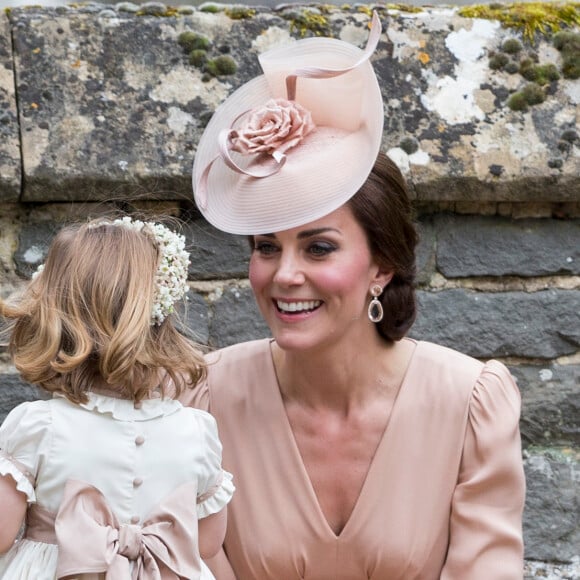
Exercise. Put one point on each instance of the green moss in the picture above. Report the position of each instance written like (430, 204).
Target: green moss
(365, 10)
(310, 22)
(530, 18)
(568, 43)
(569, 135)
(533, 94)
(409, 145)
(211, 8)
(404, 8)
(498, 61)
(542, 74)
(190, 41)
(511, 46)
(239, 12)
(517, 102)
(197, 57)
(512, 67)
(221, 66)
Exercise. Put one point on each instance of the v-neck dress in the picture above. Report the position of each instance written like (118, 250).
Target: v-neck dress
(442, 499)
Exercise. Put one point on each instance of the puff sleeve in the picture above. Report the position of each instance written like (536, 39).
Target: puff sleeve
(486, 513)
(215, 487)
(23, 442)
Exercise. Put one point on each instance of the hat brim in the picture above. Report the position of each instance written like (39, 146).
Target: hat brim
(324, 170)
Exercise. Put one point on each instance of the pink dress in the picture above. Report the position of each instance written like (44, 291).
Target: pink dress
(443, 497)
(144, 459)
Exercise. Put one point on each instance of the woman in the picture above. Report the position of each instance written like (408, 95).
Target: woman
(358, 452)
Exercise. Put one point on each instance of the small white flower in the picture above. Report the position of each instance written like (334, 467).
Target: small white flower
(171, 275)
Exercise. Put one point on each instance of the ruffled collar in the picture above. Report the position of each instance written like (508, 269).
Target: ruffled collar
(125, 410)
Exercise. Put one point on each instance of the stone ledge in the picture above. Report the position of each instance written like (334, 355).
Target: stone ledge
(110, 108)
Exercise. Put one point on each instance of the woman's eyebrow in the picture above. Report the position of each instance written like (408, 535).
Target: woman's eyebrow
(316, 232)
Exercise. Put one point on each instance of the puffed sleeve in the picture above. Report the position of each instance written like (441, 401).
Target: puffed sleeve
(215, 487)
(486, 514)
(23, 440)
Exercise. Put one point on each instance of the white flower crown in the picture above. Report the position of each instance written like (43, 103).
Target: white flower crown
(171, 275)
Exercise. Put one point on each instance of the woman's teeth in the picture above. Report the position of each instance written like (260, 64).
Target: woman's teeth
(298, 306)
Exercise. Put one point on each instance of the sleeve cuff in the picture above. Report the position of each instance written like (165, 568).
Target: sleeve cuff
(22, 479)
(216, 497)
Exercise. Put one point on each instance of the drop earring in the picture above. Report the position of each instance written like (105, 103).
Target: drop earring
(375, 311)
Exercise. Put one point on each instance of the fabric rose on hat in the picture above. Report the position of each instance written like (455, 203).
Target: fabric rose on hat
(274, 128)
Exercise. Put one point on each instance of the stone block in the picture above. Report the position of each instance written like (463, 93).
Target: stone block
(426, 254)
(550, 404)
(193, 317)
(33, 243)
(14, 391)
(236, 318)
(111, 108)
(544, 324)
(10, 161)
(552, 512)
(480, 246)
(215, 254)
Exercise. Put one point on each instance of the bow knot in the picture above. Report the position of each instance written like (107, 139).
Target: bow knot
(91, 540)
(130, 541)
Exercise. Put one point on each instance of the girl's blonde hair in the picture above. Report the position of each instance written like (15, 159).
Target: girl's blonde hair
(86, 319)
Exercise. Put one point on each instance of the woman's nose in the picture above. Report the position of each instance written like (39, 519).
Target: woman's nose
(289, 270)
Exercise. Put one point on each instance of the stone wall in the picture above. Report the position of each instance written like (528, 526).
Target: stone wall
(101, 108)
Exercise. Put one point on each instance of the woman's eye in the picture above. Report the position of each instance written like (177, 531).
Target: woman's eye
(319, 249)
(264, 247)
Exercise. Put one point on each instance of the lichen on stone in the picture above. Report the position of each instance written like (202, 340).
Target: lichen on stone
(310, 21)
(530, 18)
(239, 12)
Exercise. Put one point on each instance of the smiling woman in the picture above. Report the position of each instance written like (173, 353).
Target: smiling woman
(358, 452)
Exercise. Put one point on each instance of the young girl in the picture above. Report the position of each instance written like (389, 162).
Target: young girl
(111, 476)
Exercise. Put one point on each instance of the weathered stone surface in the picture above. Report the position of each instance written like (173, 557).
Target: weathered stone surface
(236, 318)
(193, 317)
(550, 404)
(13, 392)
(10, 164)
(214, 254)
(426, 249)
(543, 324)
(33, 244)
(478, 246)
(552, 513)
(111, 108)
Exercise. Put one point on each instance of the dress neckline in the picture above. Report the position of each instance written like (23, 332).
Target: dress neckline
(297, 457)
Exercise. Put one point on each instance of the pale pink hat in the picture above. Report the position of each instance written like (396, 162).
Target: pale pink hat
(295, 143)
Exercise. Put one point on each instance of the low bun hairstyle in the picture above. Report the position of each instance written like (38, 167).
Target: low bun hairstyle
(383, 209)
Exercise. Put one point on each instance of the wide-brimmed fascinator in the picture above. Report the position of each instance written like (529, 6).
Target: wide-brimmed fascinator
(295, 143)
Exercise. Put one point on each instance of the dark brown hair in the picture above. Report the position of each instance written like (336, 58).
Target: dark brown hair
(383, 209)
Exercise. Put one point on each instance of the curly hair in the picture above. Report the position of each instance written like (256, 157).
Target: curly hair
(86, 319)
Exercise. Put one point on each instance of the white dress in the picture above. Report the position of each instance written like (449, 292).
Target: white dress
(136, 455)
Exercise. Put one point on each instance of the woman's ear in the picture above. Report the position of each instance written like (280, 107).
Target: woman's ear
(383, 277)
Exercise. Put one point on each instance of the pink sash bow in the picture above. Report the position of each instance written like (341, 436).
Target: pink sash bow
(91, 540)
